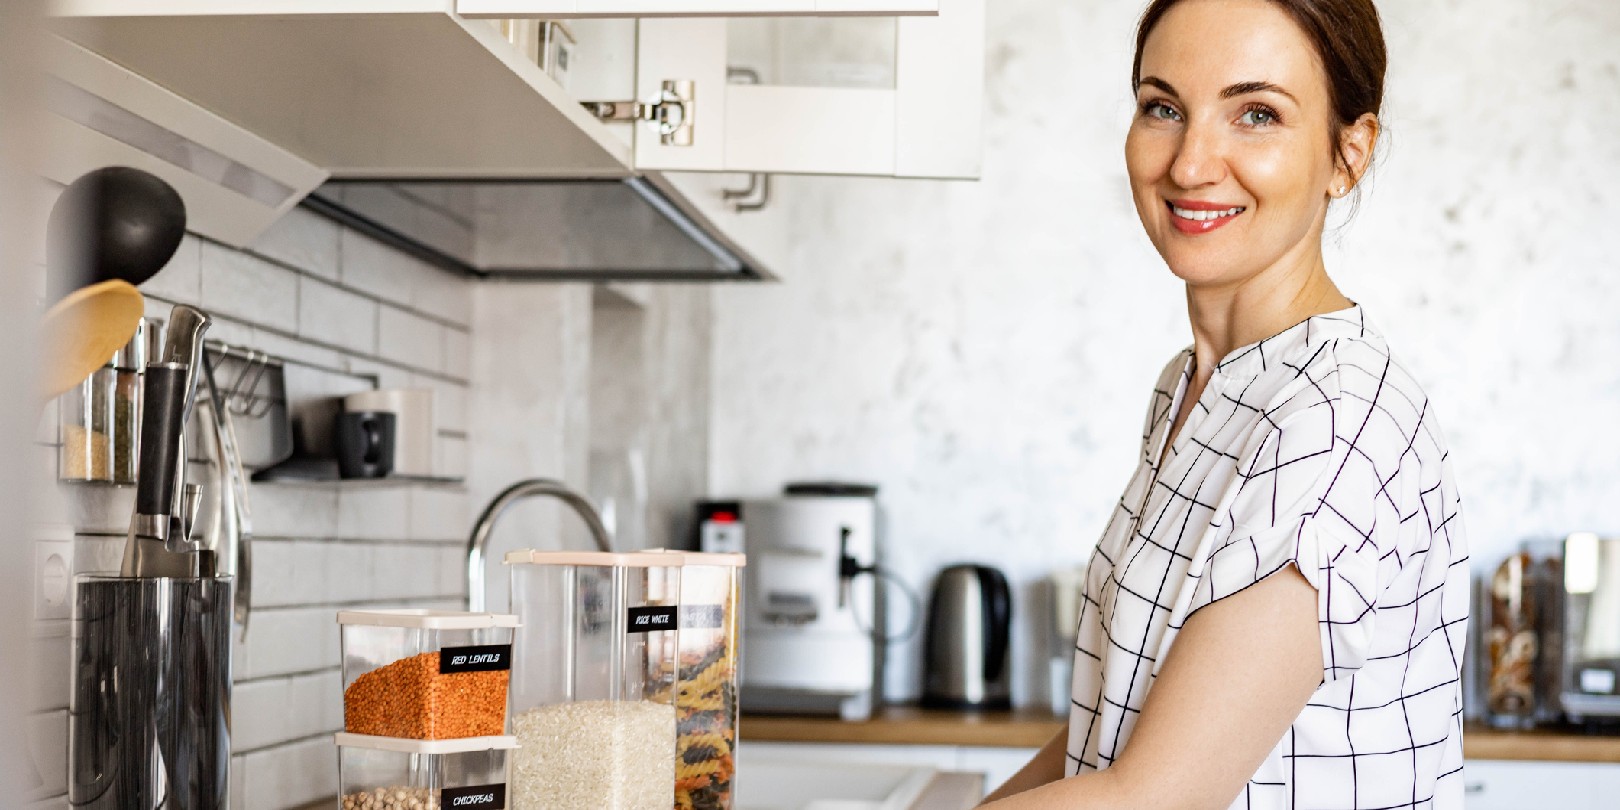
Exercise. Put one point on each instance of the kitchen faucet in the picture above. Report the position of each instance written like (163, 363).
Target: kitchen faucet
(512, 494)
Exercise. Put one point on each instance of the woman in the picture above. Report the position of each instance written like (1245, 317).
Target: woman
(1275, 614)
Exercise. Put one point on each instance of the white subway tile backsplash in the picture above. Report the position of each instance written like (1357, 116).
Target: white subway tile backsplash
(180, 279)
(289, 775)
(400, 279)
(290, 573)
(247, 287)
(98, 508)
(50, 664)
(288, 641)
(47, 741)
(331, 315)
(303, 239)
(259, 714)
(352, 566)
(294, 510)
(381, 513)
(439, 514)
(409, 339)
(407, 572)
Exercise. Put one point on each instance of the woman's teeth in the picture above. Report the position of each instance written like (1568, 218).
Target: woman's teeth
(1204, 216)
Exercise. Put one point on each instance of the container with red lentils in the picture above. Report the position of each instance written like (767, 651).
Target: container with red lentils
(426, 675)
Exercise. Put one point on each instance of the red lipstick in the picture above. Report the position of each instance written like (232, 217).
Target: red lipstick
(1200, 226)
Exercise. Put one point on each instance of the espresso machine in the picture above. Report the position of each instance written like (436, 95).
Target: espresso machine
(149, 718)
(811, 611)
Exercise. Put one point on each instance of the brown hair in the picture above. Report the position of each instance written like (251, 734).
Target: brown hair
(1348, 39)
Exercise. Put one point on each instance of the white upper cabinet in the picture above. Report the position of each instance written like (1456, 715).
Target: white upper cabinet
(881, 96)
(422, 89)
(687, 8)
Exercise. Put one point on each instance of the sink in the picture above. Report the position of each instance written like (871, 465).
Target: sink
(769, 783)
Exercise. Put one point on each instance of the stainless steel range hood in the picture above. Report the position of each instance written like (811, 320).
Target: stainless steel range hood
(618, 229)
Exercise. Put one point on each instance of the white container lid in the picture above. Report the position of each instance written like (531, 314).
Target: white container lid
(406, 745)
(426, 619)
(651, 558)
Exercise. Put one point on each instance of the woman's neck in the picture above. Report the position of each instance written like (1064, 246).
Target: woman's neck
(1226, 317)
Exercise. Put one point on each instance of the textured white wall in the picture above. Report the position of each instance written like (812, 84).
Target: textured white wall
(983, 351)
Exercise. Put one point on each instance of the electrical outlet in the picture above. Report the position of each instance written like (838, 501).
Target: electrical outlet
(53, 573)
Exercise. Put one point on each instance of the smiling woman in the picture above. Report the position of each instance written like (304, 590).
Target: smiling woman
(1274, 616)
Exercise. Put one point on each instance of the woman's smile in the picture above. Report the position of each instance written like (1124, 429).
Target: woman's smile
(1195, 218)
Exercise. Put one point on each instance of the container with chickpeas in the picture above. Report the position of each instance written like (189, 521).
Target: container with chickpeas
(424, 709)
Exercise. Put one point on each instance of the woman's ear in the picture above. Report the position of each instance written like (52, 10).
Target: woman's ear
(1356, 144)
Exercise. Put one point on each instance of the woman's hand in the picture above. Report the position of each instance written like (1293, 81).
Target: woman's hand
(1237, 676)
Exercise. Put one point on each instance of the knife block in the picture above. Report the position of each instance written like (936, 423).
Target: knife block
(149, 717)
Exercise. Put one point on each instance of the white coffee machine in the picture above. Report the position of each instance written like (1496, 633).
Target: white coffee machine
(809, 603)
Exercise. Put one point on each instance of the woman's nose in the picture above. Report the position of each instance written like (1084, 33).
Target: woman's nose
(1200, 159)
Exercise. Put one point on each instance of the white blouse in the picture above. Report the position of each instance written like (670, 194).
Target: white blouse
(1314, 448)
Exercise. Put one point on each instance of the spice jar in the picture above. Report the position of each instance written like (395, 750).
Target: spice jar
(427, 675)
(100, 419)
(389, 773)
(625, 688)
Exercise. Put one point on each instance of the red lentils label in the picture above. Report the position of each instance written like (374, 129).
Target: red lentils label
(483, 796)
(486, 658)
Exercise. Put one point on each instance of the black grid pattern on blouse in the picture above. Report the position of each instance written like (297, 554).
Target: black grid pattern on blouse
(1313, 448)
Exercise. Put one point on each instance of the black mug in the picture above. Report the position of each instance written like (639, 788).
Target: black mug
(365, 444)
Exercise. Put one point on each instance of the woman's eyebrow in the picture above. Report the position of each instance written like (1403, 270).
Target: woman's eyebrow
(1155, 81)
(1244, 88)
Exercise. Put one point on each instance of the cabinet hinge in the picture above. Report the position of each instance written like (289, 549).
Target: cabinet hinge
(670, 113)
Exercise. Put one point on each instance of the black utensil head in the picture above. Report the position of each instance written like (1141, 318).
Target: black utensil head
(117, 222)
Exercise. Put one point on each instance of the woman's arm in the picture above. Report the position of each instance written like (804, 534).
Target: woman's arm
(1237, 676)
(1045, 767)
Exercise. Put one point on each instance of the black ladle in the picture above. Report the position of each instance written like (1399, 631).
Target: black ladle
(114, 223)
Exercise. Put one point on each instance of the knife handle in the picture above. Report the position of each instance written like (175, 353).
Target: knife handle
(163, 409)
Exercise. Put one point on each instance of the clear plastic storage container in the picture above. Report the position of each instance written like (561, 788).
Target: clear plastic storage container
(624, 695)
(426, 675)
(392, 773)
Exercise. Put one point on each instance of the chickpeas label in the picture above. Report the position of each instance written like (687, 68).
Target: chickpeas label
(651, 618)
(486, 658)
(483, 796)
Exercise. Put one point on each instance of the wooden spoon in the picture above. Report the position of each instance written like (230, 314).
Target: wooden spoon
(84, 330)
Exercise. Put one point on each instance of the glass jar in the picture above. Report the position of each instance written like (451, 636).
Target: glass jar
(625, 686)
(424, 674)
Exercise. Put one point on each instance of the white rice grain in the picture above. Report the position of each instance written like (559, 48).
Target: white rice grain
(595, 755)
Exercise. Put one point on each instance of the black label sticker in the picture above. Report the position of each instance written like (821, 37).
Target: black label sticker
(485, 797)
(487, 658)
(652, 618)
(701, 617)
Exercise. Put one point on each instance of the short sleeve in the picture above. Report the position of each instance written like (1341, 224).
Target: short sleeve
(1309, 497)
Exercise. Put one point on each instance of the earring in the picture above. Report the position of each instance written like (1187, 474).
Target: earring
(1341, 191)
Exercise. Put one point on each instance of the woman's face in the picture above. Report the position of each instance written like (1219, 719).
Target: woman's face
(1230, 156)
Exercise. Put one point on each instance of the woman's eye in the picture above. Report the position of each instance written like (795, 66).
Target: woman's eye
(1160, 110)
(1258, 117)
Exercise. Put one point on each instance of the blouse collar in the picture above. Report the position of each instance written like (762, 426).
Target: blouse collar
(1255, 358)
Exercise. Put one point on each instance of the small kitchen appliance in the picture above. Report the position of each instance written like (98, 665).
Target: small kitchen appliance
(1589, 671)
(810, 617)
(624, 689)
(969, 629)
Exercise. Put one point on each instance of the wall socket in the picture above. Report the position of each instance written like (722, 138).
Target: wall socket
(53, 573)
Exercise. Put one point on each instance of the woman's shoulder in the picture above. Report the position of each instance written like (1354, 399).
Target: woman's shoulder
(1350, 388)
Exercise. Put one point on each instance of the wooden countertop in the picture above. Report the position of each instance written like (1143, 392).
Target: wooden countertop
(901, 725)
(904, 725)
(1481, 742)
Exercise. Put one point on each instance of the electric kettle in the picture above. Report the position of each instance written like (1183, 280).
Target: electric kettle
(969, 627)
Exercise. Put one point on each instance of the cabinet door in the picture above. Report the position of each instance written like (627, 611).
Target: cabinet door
(880, 96)
(686, 8)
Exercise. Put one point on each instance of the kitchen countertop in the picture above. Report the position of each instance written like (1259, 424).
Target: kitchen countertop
(904, 725)
(1025, 728)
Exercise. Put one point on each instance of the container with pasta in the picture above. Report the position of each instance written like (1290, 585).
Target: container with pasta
(624, 688)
